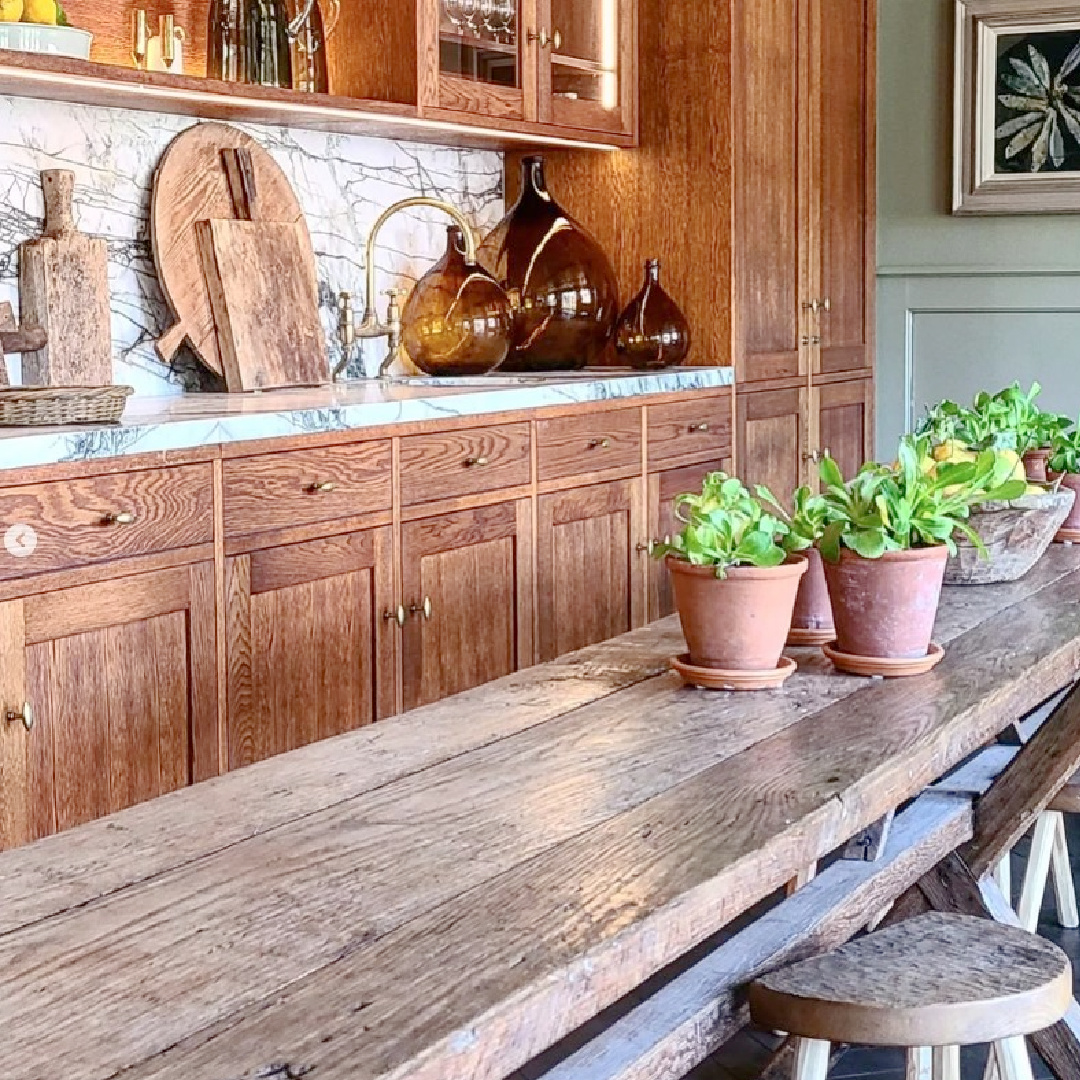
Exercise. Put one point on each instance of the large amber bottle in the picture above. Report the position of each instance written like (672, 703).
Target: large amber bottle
(565, 291)
(652, 331)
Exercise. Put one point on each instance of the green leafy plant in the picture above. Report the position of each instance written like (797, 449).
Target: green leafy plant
(906, 505)
(1008, 420)
(807, 520)
(725, 526)
(1065, 457)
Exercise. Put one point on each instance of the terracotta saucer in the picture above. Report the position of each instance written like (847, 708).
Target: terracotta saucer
(797, 636)
(1067, 536)
(879, 665)
(719, 679)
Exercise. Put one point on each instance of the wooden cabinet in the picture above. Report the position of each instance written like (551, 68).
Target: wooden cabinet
(467, 593)
(310, 639)
(843, 416)
(663, 487)
(773, 433)
(591, 565)
(108, 697)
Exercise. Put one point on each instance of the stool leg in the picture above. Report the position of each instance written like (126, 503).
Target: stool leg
(920, 1063)
(1038, 869)
(1012, 1059)
(1061, 872)
(946, 1063)
(1003, 876)
(812, 1059)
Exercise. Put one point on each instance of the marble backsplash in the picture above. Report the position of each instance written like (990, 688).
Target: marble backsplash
(343, 183)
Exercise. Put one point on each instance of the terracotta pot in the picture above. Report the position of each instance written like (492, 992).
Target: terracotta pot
(739, 622)
(886, 607)
(1072, 482)
(813, 609)
(1035, 464)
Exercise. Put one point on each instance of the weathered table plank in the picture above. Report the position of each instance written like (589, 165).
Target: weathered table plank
(455, 909)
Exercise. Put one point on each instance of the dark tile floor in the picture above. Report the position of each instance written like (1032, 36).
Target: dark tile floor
(745, 1056)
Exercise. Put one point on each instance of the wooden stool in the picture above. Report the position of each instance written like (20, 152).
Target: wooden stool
(931, 985)
(1049, 860)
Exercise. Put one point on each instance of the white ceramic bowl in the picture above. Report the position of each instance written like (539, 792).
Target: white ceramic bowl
(51, 40)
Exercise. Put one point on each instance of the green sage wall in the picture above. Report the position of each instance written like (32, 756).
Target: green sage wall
(963, 303)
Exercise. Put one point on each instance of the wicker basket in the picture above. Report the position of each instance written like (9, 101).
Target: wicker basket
(50, 406)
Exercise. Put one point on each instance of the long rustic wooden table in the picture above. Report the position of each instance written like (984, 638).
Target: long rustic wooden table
(447, 894)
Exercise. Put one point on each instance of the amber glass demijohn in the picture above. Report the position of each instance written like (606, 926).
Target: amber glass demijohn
(457, 320)
(652, 331)
(564, 288)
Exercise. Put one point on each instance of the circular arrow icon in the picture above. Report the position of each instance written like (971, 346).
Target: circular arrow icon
(21, 541)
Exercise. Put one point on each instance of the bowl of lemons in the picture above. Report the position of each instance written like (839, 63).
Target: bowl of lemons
(41, 26)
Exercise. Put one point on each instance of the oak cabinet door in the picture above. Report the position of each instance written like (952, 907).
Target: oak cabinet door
(846, 184)
(772, 439)
(310, 642)
(467, 580)
(113, 692)
(592, 565)
(663, 487)
(845, 422)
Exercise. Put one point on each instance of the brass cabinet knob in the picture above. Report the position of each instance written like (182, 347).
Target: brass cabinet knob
(599, 444)
(545, 38)
(811, 339)
(699, 427)
(323, 487)
(556, 41)
(475, 462)
(122, 517)
(813, 456)
(26, 717)
(424, 609)
(818, 306)
(649, 548)
(397, 615)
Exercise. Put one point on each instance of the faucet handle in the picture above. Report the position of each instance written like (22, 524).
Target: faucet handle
(347, 320)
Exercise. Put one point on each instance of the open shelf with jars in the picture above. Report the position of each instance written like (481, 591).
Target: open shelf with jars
(501, 73)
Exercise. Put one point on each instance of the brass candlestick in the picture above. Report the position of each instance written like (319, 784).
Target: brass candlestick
(140, 39)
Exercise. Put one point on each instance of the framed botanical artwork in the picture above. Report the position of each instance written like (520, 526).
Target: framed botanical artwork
(1017, 107)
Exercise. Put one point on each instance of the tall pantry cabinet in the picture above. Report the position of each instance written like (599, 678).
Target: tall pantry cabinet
(755, 186)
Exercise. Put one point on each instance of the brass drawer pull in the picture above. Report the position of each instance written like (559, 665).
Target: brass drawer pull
(397, 615)
(546, 39)
(695, 428)
(322, 488)
(599, 444)
(424, 609)
(26, 717)
(476, 462)
(121, 518)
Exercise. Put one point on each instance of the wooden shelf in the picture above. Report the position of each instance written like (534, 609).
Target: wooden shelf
(471, 41)
(88, 83)
(588, 67)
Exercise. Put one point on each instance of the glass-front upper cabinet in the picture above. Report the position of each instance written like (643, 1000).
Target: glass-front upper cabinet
(568, 63)
(586, 63)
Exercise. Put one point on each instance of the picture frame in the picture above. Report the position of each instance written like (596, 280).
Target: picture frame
(1016, 143)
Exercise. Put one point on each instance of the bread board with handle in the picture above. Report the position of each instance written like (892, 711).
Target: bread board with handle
(64, 294)
(192, 185)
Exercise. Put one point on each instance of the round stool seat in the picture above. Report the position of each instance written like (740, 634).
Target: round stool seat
(936, 980)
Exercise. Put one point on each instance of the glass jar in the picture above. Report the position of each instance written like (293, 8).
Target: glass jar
(249, 42)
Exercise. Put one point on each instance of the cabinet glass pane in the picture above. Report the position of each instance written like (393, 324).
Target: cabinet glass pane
(478, 39)
(585, 56)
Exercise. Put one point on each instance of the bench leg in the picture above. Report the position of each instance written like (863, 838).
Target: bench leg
(1003, 876)
(812, 1059)
(1037, 872)
(1013, 1061)
(946, 1063)
(920, 1063)
(1061, 873)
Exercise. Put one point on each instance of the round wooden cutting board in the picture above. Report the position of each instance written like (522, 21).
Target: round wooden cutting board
(190, 186)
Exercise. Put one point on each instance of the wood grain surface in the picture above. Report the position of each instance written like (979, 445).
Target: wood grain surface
(689, 428)
(588, 443)
(512, 890)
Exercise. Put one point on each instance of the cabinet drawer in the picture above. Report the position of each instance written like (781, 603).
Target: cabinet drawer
(575, 445)
(689, 427)
(305, 487)
(72, 523)
(457, 463)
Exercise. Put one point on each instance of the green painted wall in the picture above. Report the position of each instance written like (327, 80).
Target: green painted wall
(963, 302)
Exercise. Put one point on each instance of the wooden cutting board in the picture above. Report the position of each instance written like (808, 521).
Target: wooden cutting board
(64, 291)
(265, 304)
(192, 185)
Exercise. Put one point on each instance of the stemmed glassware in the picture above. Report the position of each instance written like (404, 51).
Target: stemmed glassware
(483, 18)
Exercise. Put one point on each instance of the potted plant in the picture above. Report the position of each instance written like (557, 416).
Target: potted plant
(1064, 468)
(734, 585)
(812, 621)
(885, 546)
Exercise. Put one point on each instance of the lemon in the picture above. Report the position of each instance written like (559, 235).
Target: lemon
(45, 12)
(11, 10)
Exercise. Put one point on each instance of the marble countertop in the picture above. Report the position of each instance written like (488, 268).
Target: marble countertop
(189, 421)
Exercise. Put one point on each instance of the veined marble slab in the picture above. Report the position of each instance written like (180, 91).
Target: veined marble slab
(193, 420)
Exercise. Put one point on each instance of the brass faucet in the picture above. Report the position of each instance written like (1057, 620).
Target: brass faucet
(370, 326)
